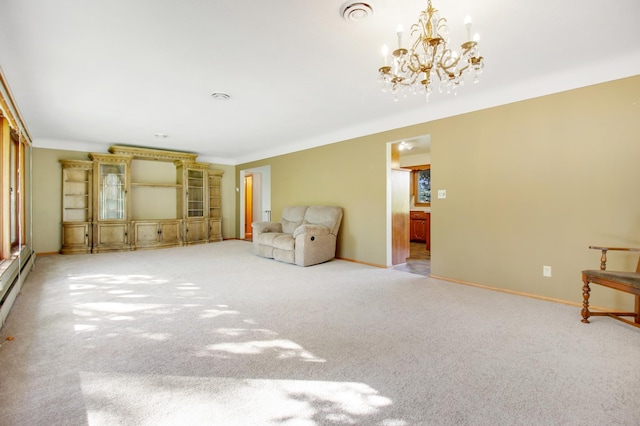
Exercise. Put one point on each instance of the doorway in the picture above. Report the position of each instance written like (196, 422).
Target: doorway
(248, 204)
(408, 154)
(255, 198)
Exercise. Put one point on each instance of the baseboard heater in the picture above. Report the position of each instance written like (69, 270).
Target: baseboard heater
(6, 294)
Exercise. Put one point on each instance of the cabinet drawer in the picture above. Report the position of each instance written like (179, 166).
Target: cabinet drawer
(417, 215)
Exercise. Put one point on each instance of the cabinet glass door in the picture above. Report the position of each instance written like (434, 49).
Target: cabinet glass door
(195, 193)
(111, 203)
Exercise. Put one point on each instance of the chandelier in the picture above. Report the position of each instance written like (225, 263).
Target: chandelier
(429, 58)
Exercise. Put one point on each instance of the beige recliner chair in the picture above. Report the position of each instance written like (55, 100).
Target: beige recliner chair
(305, 235)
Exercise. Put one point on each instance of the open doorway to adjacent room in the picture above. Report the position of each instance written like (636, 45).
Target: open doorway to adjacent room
(409, 206)
(255, 198)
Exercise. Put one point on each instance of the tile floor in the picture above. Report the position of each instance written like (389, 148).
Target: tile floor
(419, 261)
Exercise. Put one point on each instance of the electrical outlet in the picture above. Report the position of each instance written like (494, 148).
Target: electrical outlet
(442, 193)
(546, 271)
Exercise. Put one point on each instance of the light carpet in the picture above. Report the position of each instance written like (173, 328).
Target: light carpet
(213, 335)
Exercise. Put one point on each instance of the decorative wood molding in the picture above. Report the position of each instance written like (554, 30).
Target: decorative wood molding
(77, 164)
(110, 158)
(152, 154)
(191, 164)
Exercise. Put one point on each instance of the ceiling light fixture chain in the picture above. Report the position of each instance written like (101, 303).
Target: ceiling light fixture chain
(429, 57)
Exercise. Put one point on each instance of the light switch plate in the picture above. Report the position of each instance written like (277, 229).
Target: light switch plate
(442, 193)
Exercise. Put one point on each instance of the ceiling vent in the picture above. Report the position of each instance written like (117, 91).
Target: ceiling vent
(356, 11)
(220, 96)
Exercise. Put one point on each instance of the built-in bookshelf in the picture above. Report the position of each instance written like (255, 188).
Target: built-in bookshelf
(137, 198)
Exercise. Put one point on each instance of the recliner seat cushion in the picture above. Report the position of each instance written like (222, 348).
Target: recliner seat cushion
(284, 242)
(267, 238)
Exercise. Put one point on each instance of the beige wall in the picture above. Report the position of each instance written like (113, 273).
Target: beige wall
(528, 184)
(47, 198)
(349, 174)
(535, 183)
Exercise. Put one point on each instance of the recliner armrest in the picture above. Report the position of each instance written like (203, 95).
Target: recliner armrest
(262, 227)
(311, 229)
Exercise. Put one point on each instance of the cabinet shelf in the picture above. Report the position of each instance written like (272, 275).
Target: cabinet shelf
(76, 205)
(156, 185)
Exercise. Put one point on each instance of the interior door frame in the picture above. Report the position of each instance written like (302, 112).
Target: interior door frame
(262, 202)
(389, 209)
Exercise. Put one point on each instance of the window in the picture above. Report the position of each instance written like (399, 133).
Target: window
(421, 184)
(16, 156)
(12, 224)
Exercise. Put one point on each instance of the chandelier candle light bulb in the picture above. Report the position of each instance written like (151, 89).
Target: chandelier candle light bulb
(428, 57)
(434, 23)
(467, 23)
(385, 54)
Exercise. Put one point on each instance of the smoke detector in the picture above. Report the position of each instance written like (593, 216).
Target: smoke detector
(356, 10)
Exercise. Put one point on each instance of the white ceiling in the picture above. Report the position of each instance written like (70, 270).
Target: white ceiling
(88, 74)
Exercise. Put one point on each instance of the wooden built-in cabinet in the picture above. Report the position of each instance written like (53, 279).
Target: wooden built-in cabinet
(137, 198)
(111, 202)
(77, 190)
(420, 227)
(156, 233)
(192, 201)
(215, 205)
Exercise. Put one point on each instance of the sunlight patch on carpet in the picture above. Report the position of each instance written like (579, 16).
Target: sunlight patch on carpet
(235, 332)
(84, 309)
(283, 349)
(169, 400)
(213, 313)
(117, 279)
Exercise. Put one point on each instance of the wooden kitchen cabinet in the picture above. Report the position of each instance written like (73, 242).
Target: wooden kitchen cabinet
(417, 226)
(420, 227)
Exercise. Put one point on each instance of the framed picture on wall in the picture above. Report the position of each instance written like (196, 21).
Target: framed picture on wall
(422, 182)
